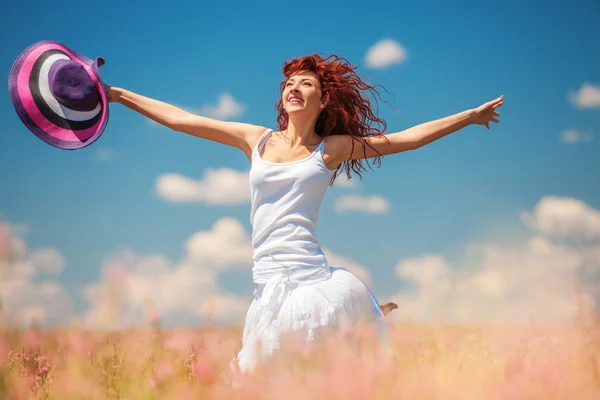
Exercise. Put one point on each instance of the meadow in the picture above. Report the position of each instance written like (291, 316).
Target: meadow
(435, 361)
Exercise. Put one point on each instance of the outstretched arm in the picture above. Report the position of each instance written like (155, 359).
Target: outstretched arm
(345, 148)
(236, 134)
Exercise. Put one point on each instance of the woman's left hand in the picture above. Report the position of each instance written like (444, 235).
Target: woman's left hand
(486, 113)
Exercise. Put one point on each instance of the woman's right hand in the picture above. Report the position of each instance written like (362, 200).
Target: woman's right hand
(111, 94)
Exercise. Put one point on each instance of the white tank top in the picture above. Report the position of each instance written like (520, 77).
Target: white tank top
(285, 202)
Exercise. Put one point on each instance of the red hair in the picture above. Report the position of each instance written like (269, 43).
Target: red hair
(347, 110)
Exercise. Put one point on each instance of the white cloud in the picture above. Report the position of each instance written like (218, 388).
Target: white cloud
(225, 308)
(564, 217)
(336, 260)
(573, 136)
(48, 259)
(384, 53)
(368, 204)
(183, 292)
(510, 283)
(424, 270)
(588, 96)
(27, 295)
(227, 108)
(104, 154)
(219, 186)
(343, 182)
(226, 245)
(19, 230)
(132, 283)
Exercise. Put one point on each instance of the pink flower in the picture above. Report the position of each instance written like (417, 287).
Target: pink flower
(203, 371)
(42, 365)
(33, 338)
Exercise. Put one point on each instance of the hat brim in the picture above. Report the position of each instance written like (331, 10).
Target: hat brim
(53, 123)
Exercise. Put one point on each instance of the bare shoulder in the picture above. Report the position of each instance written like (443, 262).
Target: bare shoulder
(253, 133)
(341, 148)
(334, 150)
(250, 134)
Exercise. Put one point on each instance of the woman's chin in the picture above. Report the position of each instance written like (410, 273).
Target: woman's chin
(294, 109)
(299, 111)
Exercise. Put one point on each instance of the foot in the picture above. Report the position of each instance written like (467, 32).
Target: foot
(388, 308)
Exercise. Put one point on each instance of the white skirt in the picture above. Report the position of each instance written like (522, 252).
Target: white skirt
(304, 301)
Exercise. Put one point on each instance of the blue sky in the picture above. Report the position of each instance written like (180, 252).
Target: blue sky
(470, 187)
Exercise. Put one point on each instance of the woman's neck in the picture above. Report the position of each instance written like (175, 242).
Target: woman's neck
(300, 132)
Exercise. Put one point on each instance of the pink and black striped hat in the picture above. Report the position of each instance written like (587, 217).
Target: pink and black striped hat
(59, 95)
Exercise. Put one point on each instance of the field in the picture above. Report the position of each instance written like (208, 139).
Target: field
(423, 362)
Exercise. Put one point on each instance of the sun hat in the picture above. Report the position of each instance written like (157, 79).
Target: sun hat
(59, 95)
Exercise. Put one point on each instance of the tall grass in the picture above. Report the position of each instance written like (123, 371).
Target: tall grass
(422, 362)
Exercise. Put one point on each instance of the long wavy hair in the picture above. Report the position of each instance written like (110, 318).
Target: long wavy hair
(347, 109)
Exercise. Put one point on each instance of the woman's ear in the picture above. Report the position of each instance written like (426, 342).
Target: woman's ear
(324, 100)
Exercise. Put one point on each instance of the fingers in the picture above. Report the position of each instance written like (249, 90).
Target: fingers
(498, 102)
(491, 106)
(494, 104)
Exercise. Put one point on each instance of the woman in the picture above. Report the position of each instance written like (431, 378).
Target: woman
(324, 126)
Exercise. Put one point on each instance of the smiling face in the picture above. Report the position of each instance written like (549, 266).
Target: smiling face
(302, 94)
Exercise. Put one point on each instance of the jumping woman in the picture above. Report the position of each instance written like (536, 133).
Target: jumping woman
(325, 125)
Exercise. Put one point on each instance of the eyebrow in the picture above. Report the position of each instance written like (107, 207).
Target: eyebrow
(311, 80)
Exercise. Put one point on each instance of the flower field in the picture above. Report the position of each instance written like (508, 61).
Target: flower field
(530, 361)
